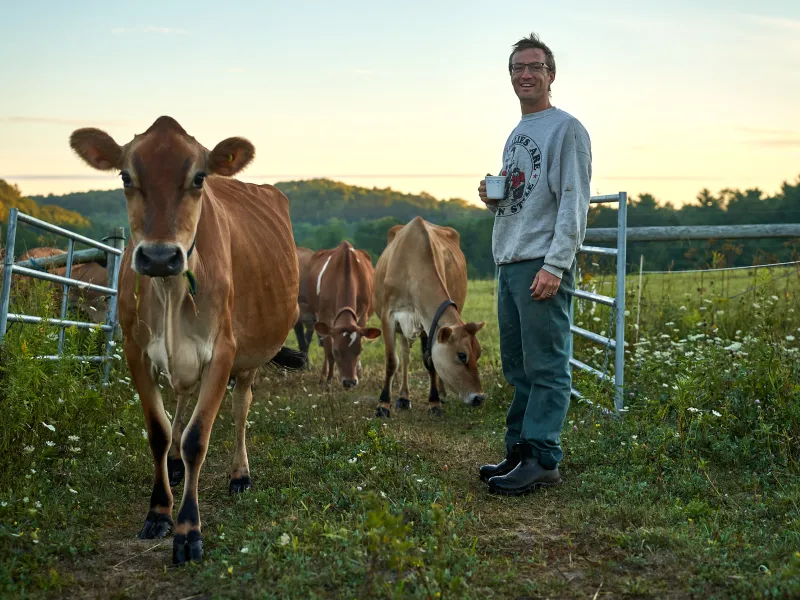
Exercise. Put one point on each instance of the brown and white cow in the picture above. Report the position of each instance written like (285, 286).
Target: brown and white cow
(339, 287)
(420, 281)
(207, 288)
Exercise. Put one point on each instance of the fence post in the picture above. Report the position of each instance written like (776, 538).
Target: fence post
(65, 295)
(116, 239)
(8, 262)
(619, 366)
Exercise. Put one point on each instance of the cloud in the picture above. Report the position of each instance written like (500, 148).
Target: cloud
(149, 29)
(25, 120)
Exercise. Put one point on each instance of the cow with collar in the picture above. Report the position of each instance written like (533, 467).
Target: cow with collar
(207, 289)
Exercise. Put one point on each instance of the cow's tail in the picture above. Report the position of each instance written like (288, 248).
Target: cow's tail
(289, 359)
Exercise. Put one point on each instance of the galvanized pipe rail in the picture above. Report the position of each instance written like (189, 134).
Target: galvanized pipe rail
(113, 261)
(617, 303)
(675, 233)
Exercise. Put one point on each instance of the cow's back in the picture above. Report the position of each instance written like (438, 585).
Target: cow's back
(418, 257)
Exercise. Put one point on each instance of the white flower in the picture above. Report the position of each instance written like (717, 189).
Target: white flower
(420, 480)
(3, 504)
(61, 401)
(689, 354)
(73, 438)
(38, 504)
(144, 433)
(285, 539)
(634, 437)
(683, 308)
(756, 305)
(670, 324)
(245, 550)
(775, 298)
(789, 338)
(25, 500)
(73, 491)
(74, 449)
(359, 488)
(715, 413)
(383, 494)
(29, 449)
(49, 443)
(692, 409)
(735, 347)
(50, 427)
(707, 301)
(720, 313)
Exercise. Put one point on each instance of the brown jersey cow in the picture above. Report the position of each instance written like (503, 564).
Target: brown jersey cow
(207, 288)
(420, 281)
(339, 288)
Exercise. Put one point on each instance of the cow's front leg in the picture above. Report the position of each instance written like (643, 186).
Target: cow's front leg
(242, 397)
(403, 402)
(387, 329)
(175, 468)
(158, 523)
(328, 367)
(434, 402)
(188, 543)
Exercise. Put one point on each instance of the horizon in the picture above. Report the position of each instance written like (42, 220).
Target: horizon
(379, 97)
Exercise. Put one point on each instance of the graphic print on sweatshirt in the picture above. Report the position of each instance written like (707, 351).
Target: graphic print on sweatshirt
(523, 165)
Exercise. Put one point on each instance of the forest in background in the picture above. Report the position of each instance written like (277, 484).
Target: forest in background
(324, 212)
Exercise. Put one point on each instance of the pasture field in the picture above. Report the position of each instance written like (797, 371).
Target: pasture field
(693, 492)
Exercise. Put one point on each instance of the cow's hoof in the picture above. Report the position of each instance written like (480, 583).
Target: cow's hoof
(240, 484)
(157, 525)
(175, 471)
(402, 404)
(436, 411)
(187, 548)
(382, 413)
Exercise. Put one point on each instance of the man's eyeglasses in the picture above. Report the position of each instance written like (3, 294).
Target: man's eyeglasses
(536, 67)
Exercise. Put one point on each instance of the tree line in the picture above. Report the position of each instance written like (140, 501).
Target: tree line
(325, 212)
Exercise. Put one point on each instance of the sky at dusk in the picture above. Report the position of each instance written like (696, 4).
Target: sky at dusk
(414, 96)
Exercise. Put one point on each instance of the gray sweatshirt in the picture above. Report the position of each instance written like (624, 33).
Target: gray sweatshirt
(548, 160)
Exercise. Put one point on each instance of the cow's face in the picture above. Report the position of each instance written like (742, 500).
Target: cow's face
(347, 343)
(162, 171)
(455, 356)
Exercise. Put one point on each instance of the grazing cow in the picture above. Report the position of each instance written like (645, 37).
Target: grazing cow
(420, 286)
(304, 328)
(339, 286)
(87, 302)
(207, 288)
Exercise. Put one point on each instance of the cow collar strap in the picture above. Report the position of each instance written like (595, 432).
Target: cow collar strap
(344, 310)
(427, 357)
(190, 278)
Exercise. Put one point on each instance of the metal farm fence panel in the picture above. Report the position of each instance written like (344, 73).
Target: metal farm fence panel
(113, 261)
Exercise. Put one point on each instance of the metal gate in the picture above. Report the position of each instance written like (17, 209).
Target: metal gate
(617, 305)
(113, 260)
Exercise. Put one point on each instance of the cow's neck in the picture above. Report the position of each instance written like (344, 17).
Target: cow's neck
(449, 318)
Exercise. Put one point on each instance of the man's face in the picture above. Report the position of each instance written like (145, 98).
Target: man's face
(530, 85)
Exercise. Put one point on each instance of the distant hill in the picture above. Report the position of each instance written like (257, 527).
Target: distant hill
(314, 201)
(11, 197)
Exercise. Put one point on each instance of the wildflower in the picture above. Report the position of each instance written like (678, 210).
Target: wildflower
(372, 468)
(285, 539)
(756, 305)
(383, 494)
(775, 298)
(38, 504)
(734, 347)
(29, 449)
(707, 301)
(74, 449)
(689, 354)
(789, 338)
(73, 438)
(352, 460)
(359, 488)
(670, 324)
(634, 437)
(682, 308)
(144, 433)
(420, 480)
(73, 491)
(3, 504)
(692, 409)
(245, 550)
(313, 406)
(50, 427)
(25, 500)
(720, 313)
(715, 413)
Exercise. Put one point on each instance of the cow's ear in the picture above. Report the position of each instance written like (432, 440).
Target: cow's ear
(322, 329)
(230, 156)
(371, 333)
(473, 328)
(443, 335)
(96, 148)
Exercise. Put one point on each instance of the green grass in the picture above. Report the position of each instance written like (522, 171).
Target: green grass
(693, 492)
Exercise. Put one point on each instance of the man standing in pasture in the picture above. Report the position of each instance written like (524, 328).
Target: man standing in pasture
(539, 225)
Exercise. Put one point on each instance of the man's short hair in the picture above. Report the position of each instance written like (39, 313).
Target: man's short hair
(533, 41)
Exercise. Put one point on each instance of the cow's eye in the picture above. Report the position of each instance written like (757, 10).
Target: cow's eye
(126, 179)
(199, 179)
(462, 357)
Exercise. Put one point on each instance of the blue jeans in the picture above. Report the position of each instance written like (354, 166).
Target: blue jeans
(535, 346)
